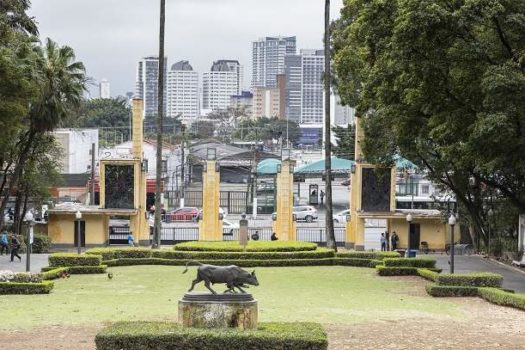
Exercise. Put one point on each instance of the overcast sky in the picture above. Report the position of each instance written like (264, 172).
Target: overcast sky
(110, 36)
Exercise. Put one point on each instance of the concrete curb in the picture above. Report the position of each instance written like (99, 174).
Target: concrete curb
(490, 260)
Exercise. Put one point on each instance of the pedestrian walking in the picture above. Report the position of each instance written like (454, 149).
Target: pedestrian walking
(4, 242)
(383, 242)
(322, 196)
(131, 240)
(395, 240)
(15, 246)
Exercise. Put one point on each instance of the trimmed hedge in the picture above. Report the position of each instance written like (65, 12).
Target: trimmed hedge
(117, 253)
(253, 246)
(480, 279)
(451, 291)
(428, 274)
(400, 270)
(54, 273)
(410, 262)
(172, 336)
(501, 297)
(222, 262)
(41, 244)
(368, 255)
(356, 262)
(69, 259)
(84, 270)
(44, 287)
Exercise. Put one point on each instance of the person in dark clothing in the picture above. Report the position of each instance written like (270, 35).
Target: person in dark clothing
(274, 237)
(15, 246)
(395, 240)
(383, 242)
(322, 196)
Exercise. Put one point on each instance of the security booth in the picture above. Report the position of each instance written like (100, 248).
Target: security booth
(313, 194)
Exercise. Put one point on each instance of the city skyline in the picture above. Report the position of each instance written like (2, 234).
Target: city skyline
(110, 39)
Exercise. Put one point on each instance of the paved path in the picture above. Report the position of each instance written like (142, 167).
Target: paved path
(37, 262)
(512, 279)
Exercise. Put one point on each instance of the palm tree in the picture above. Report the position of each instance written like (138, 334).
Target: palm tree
(61, 82)
(160, 112)
(330, 235)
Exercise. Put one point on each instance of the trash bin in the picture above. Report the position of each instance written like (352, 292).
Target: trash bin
(411, 253)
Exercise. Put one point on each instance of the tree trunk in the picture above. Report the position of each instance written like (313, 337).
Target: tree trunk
(160, 112)
(330, 235)
(17, 218)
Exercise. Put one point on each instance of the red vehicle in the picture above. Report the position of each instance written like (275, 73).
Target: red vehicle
(182, 214)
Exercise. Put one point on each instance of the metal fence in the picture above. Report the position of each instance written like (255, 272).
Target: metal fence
(235, 202)
(118, 235)
(263, 233)
(318, 235)
(173, 235)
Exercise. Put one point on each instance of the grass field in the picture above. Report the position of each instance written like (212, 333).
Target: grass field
(322, 294)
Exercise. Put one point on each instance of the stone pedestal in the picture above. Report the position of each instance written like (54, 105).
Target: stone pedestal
(206, 310)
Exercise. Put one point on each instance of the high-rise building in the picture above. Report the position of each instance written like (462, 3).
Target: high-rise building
(343, 115)
(183, 92)
(243, 102)
(147, 84)
(104, 89)
(304, 87)
(218, 85)
(266, 102)
(268, 59)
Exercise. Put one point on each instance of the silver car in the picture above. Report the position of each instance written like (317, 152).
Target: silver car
(305, 213)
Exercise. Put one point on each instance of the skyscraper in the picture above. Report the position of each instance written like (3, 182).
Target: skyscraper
(304, 87)
(147, 84)
(268, 59)
(183, 92)
(104, 89)
(218, 85)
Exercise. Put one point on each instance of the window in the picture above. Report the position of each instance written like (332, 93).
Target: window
(425, 189)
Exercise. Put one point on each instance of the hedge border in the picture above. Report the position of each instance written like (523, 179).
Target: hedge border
(368, 255)
(85, 270)
(172, 336)
(428, 274)
(436, 290)
(400, 270)
(477, 279)
(54, 273)
(71, 259)
(44, 287)
(410, 262)
(276, 246)
(503, 298)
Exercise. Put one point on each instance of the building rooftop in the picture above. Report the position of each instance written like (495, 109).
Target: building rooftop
(182, 65)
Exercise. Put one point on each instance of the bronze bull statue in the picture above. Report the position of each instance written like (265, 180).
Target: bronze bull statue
(233, 276)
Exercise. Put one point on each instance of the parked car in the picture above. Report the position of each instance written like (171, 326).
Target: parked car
(340, 217)
(303, 213)
(182, 214)
(346, 182)
(222, 213)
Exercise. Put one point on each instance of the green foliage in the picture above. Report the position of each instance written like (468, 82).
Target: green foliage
(53, 273)
(265, 129)
(428, 274)
(410, 262)
(117, 253)
(222, 262)
(172, 336)
(478, 279)
(500, 297)
(27, 277)
(70, 259)
(198, 255)
(253, 246)
(202, 129)
(26, 288)
(357, 262)
(451, 291)
(41, 243)
(396, 271)
(84, 270)
(345, 142)
(368, 255)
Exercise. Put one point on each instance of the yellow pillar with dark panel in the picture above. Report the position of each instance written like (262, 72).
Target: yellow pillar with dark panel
(284, 225)
(210, 225)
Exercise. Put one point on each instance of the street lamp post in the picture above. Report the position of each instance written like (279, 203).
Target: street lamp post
(78, 216)
(452, 222)
(409, 221)
(29, 241)
(490, 214)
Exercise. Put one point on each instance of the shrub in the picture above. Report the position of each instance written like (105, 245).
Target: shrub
(368, 255)
(117, 253)
(20, 277)
(356, 262)
(428, 274)
(54, 273)
(501, 297)
(480, 279)
(68, 259)
(26, 288)
(84, 270)
(172, 336)
(253, 246)
(396, 271)
(41, 243)
(223, 262)
(410, 262)
(451, 291)
(205, 255)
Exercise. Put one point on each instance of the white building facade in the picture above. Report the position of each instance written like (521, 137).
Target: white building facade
(104, 89)
(268, 56)
(220, 83)
(76, 145)
(183, 92)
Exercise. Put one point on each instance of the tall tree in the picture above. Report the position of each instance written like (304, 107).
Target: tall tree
(442, 83)
(329, 222)
(345, 137)
(160, 116)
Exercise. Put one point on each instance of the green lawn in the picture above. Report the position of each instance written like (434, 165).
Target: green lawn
(321, 294)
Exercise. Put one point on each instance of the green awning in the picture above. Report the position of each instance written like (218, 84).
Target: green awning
(339, 166)
(268, 167)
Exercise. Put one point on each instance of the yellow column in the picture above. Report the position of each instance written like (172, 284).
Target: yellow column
(138, 128)
(210, 227)
(284, 226)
